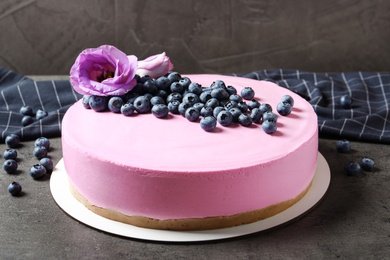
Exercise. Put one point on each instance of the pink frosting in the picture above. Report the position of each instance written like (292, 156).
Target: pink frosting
(171, 168)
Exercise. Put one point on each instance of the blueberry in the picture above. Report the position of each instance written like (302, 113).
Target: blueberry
(288, 99)
(212, 102)
(253, 104)
(14, 188)
(195, 88)
(270, 116)
(185, 82)
(284, 108)
(218, 84)
(98, 103)
(156, 100)
(142, 104)
(85, 101)
(269, 127)
(26, 111)
(231, 90)
(130, 97)
(150, 87)
(143, 79)
(40, 114)
(243, 106)
(115, 104)
(163, 94)
(127, 109)
(205, 96)
(256, 115)
(173, 106)
(235, 113)
(42, 141)
(163, 83)
(177, 87)
(352, 168)
(27, 120)
(198, 106)
(160, 110)
(367, 164)
(37, 171)
(10, 166)
(148, 96)
(39, 152)
(265, 108)
(192, 114)
(174, 76)
(245, 120)
(343, 146)
(231, 104)
(247, 93)
(183, 107)
(216, 110)
(174, 96)
(225, 118)
(12, 140)
(219, 93)
(191, 98)
(206, 111)
(208, 123)
(47, 163)
(235, 97)
(346, 101)
(10, 154)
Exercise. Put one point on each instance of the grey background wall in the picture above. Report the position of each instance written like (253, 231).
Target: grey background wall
(200, 36)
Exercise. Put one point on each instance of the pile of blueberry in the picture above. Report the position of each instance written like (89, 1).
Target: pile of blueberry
(29, 116)
(38, 171)
(210, 105)
(353, 168)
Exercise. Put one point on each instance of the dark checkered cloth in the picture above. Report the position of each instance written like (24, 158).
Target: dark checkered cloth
(367, 119)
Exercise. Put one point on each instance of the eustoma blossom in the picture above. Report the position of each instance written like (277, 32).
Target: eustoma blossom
(155, 66)
(103, 71)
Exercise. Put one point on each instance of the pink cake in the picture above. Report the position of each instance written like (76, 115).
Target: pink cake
(170, 174)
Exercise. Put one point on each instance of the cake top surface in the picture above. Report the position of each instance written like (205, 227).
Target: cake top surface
(174, 144)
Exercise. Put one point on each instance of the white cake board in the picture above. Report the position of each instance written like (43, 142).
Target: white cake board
(61, 193)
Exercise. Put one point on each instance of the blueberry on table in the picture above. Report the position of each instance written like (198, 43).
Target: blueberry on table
(352, 168)
(265, 108)
(208, 123)
(206, 111)
(14, 188)
(195, 88)
(270, 116)
(85, 101)
(10, 166)
(183, 107)
(27, 120)
(40, 114)
(173, 106)
(245, 120)
(269, 127)
(157, 100)
(235, 113)
(253, 104)
(367, 164)
(26, 111)
(37, 171)
(256, 115)
(115, 104)
(247, 93)
(346, 101)
(12, 140)
(48, 164)
(160, 110)
(343, 146)
(192, 114)
(127, 109)
(98, 103)
(42, 141)
(288, 99)
(216, 110)
(10, 154)
(39, 152)
(191, 98)
(142, 104)
(235, 97)
(174, 76)
(284, 108)
(225, 118)
(231, 90)
(177, 87)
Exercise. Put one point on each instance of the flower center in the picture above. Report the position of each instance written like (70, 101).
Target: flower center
(105, 75)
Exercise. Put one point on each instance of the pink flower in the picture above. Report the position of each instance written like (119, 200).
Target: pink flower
(155, 66)
(103, 71)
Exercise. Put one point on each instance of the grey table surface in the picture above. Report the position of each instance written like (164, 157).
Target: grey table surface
(351, 222)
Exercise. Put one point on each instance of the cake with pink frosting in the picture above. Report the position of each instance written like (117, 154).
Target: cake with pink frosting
(168, 173)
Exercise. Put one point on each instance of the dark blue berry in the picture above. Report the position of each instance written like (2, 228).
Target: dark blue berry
(145, 78)
(85, 101)
(40, 114)
(10, 154)
(256, 115)
(253, 104)
(198, 106)
(265, 108)
(236, 112)
(343, 146)
(177, 87)
(174, 96)
(48, 164)
(219, 93)
(235, 97)
(156, 100)
(10, 166)
(243, 106)
(269, 127)
(216, 110)
(27, 120)
(130, 97)
(163, 94)
(12, 140)
(231, 90)
(284, 108)
(174, 76)
(191, 98)
(150, 87)
(14, 188)
(173, 106)
(115, 104)
(148, 96)
(142, 105)
(208, 123)
(218, 84)
(195, 88)
(183, 107)
(245, 120)
(163, 83)
(346, 101)
(225, 118)
(247, 93)
(39, 152)
(288, 99)
(352, 168)
(192, 114)
(185, 82)
(206, 111)
(98, 103)
(26, 111)
(127, 109)
(37, 171)
(212, 102)
(231, 104)
(205, 96)
(42, 141)
(367, 164)
(160, 110)
(270, 116)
